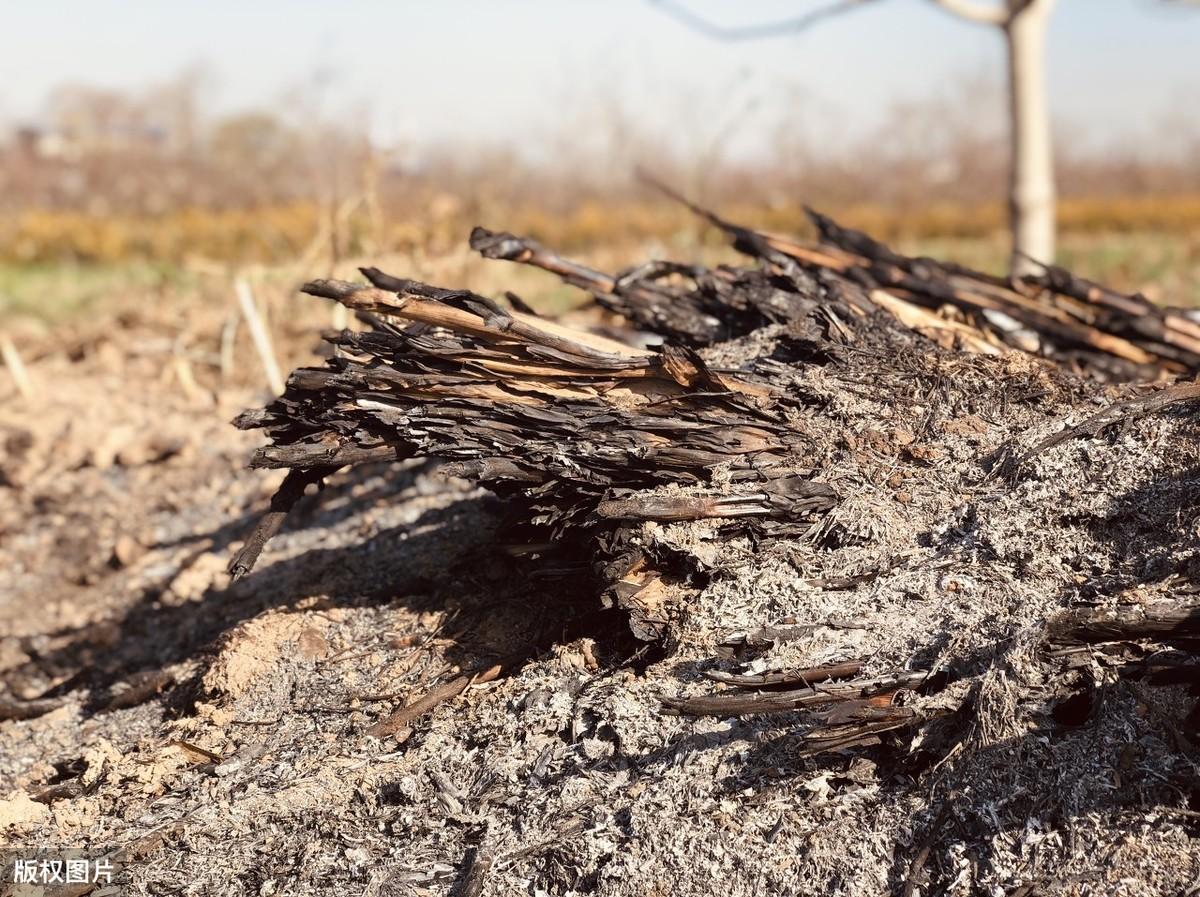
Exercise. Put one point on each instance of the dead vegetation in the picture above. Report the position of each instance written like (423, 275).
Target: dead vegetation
(910, 616)
(644, 467)
(590, 437)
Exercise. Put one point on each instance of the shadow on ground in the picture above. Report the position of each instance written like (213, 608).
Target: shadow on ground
(447, 559)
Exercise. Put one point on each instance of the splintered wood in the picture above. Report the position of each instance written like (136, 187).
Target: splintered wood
(1086, 326)
(592, 440)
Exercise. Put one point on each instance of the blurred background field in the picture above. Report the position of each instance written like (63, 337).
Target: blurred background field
(174, 169)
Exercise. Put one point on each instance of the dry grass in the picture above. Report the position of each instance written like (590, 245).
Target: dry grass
(1165, 266)
(278, 233)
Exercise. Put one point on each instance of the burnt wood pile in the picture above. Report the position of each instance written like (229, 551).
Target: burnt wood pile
(590, 437)
(1156, 644)
(1087, 327)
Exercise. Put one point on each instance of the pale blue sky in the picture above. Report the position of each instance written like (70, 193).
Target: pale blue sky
(511, 70)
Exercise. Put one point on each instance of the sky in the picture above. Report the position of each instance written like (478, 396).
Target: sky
(518, 71)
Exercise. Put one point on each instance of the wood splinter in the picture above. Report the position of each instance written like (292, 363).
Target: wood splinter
(282, 502)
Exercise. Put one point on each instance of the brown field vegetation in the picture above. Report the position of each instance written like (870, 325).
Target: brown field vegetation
(278, 233)
(110, 178)
(114, 196)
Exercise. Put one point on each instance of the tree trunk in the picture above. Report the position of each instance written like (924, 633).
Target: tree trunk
(1031, 193)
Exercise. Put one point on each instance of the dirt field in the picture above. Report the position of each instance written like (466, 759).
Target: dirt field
(215, 734)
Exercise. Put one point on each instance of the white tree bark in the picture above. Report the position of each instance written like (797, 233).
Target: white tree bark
(1031, 193)
(975, 12)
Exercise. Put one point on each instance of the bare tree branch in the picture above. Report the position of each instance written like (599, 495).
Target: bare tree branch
(974, 12)
(778, 28)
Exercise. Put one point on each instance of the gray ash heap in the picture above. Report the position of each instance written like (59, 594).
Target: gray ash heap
(865, 500)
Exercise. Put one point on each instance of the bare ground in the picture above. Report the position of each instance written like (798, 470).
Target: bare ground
(216, 733)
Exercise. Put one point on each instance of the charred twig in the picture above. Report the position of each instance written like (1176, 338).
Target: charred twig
(876, 692)
(61, 791)
(803, 677)
(787, 498)
(282, 502)
(1167, 622)
(400, 720)
(1116, 413)
(765, 636)
(140, 687)
(197, 750)
(11, 708)
(915, 876)
(478, 864)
